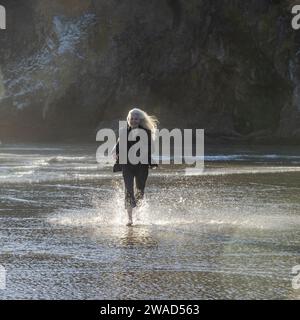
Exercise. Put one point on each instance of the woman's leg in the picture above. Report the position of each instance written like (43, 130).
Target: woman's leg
(128, 176)
(129, 212)
(141, 178)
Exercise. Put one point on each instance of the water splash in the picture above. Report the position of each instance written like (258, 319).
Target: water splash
(159, 210)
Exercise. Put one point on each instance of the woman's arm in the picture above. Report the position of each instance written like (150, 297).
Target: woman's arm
(115, 150)
(150, 150)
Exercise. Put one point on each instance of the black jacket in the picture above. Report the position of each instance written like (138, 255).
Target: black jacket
(131, 143)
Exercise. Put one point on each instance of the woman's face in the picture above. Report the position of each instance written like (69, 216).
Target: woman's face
(134, 120)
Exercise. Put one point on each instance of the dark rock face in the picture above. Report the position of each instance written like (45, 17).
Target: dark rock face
(229, 66)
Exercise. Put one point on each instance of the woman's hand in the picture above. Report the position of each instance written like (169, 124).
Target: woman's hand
(116, 156)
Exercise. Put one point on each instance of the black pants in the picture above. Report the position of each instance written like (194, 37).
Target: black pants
(140, 173)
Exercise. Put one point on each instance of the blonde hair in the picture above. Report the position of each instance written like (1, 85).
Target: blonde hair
(146, 121)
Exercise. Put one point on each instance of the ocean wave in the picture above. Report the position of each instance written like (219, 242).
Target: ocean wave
(59, 159)
(13, 199)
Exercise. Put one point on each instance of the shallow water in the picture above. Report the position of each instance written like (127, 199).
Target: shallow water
(232, 232)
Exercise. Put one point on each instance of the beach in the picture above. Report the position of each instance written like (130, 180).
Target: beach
(232, 232)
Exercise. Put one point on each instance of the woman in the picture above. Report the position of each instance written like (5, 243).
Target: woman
(136, 118)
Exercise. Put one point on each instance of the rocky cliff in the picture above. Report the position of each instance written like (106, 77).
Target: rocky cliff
(69, 67)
